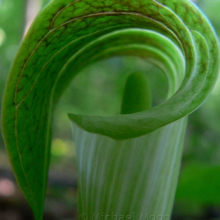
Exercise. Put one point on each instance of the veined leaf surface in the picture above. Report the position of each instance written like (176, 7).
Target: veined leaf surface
(70, 34)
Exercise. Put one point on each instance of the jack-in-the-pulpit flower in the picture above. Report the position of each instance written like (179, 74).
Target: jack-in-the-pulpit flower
(128, 164)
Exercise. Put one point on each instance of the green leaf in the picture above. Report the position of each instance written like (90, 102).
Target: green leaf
(44, 2)
(190, 96)
(68, 35)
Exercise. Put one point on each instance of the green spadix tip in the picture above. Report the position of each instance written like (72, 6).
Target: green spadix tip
(137, 96)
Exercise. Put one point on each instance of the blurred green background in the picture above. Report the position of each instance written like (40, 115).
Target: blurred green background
(98, 90)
